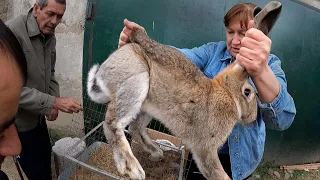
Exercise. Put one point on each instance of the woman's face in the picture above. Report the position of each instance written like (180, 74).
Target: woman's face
(235, 33)
(11, 83)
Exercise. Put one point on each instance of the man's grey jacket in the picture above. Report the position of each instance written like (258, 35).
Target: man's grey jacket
(41, 88)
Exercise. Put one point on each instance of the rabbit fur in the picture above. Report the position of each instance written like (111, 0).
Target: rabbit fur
(145, 79)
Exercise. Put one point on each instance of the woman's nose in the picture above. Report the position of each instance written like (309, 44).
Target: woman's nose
(236, 40)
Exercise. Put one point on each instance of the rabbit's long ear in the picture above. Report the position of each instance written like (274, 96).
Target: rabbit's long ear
(264, 19)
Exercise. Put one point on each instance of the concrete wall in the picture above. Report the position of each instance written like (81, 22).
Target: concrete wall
(69, 35)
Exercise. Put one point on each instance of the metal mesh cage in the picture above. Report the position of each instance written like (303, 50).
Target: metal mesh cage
(90, 157)
(95, 161)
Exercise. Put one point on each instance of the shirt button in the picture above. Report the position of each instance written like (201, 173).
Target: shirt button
(42, 103)
(238, 168)
(235, 137)
(236, 154)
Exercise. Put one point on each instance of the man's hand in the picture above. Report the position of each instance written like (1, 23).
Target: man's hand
(53, 115)
(67, 105)
(254, 51)
(126, 31)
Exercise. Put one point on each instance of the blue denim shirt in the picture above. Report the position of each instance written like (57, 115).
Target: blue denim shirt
(245, 145)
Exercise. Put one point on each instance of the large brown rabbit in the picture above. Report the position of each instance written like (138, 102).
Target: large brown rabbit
(146, 79)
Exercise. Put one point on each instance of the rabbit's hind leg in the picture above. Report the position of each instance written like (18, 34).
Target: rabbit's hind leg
(123, 108)
(138, 132)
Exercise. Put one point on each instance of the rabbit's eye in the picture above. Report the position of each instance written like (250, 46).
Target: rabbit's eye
(247, 92)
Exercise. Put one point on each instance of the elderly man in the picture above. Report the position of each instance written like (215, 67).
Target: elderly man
(40, 98)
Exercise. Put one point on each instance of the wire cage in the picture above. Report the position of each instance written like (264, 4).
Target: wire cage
(90, 157)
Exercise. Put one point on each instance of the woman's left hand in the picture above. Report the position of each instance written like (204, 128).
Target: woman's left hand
(254, 51)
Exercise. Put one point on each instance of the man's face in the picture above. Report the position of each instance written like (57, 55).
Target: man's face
(49, 17)
(234, 33)
(10, 89)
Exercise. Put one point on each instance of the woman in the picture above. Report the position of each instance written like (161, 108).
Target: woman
(243, 151)
(12, 76)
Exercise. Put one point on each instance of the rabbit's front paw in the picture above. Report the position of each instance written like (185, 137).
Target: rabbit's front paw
(130, 165)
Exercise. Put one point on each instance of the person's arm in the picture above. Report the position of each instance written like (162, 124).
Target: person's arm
(54, 88)
(35, 101)
(279, 112)
(64, 104)
(276, 105)
(48, 104)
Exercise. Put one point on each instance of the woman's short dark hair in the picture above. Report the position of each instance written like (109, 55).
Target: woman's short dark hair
(242, 12)
(9, 43)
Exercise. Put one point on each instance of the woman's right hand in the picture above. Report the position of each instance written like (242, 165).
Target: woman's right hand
(126, 31)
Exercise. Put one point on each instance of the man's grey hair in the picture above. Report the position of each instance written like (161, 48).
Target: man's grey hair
(44, 3)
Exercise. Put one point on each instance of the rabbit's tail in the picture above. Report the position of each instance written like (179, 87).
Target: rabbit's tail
(140, 37)
(97, 90)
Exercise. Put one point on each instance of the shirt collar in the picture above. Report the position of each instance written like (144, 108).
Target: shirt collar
(227, 56)
(32, 25)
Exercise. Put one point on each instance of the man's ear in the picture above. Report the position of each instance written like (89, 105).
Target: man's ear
(36, 9)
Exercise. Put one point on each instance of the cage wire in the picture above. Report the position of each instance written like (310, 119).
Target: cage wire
(90, 156)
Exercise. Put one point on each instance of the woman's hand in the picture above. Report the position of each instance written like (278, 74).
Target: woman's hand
(253, 56)
(254, 51)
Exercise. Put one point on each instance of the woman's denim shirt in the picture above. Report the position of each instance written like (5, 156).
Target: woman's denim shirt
(245, 145)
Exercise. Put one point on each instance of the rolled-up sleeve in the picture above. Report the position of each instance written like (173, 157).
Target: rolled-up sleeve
(280, 113)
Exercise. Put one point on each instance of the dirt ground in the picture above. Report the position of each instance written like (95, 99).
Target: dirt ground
(274, 173)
